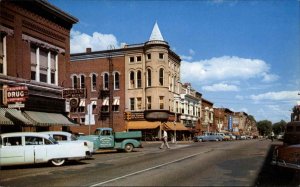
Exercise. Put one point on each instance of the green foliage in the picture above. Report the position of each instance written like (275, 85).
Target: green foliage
(279, 127)
(264, 127)
(252, 118)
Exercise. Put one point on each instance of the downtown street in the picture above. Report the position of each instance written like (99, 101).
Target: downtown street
(227, 163)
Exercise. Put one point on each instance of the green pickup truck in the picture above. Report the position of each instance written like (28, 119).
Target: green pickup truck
(105, 138)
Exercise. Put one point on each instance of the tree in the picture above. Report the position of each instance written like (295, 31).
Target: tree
(264, 127)
(279, 127)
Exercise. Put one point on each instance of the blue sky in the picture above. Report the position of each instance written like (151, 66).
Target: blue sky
(242, 55)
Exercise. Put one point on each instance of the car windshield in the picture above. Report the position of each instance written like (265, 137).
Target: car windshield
(73, 137)
(53, 140)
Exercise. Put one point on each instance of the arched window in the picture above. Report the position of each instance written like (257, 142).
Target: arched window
(74, 81)
(117, 81)
(131, 84)
(161, 76)
(139, 79)
(82, 81)
(105, 81)
(148, 77)
(94, 82)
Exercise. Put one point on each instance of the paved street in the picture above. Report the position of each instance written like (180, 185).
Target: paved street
(236, 163)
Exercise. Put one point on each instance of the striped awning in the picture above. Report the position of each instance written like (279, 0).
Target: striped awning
(3, 119)
(47, 119)
(9, 116)
(17, 116)
(177, 126)
(142, 125)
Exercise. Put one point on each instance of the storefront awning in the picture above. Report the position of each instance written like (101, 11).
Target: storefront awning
(3, 119)
(16, 115)
(9, 116)
(46, 119)
(177, 127)
(142, 125)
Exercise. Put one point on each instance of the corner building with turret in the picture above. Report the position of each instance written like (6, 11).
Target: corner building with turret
(122, 83)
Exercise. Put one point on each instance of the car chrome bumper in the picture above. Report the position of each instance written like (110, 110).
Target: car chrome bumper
(282, 163)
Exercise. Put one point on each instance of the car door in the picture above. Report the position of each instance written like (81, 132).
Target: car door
(106, 139)
(11, 151)
(35, 150)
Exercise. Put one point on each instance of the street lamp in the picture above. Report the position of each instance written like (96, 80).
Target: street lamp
(175, 128)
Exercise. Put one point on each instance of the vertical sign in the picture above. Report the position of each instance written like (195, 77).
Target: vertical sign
(230, 123)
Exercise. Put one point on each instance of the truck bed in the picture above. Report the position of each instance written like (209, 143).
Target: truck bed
(127, 135)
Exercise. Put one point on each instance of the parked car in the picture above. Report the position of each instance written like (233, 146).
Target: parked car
(62, 137)
(31, 148)
(208, 136)
(224, 136)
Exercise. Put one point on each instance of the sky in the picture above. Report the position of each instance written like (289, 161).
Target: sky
(242, 55)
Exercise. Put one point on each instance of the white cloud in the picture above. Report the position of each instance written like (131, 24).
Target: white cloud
(226, 68)
(97, 41)
(220, 87)
(239, 97)
(189, 58)
(269, 77)
(276, 96)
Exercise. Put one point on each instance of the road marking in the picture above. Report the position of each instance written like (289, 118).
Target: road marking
(148, 169)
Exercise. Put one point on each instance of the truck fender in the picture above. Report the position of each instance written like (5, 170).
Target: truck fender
(134, 142)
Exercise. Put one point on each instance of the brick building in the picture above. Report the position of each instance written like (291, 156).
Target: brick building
(207, 116)
(34, 50)
(132, 79)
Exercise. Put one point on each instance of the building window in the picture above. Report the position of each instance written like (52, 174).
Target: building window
(116, 104)
(43, 65)
(161, 56)
(105, 81)
(149, 56)
(138, 58)
(161, 102)
(131, 59)
(139, 103)
(117, 81)
(132, 103)
(148, 102)
(148, 77)
(131, 85)
(74, 81)
(139, 79)
(33, 60)
(82, 81)
(161, 76)
(53, 78)
(3, 54)
(94, 82)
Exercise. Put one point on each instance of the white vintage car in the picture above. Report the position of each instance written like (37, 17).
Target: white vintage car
(64, 137)
(30, 148)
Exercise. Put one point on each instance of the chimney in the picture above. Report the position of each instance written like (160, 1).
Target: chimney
(88, 50)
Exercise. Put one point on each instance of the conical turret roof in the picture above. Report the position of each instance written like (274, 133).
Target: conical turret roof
(156, 34)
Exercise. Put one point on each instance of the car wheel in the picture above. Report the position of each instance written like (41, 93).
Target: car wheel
(200, 140)
(58, 162)
(128, 147)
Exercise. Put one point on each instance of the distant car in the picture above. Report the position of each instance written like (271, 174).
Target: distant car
(224, 136)
(208, 137)
(241, 137)
(280, 136)
(31, 147)
(62, 137)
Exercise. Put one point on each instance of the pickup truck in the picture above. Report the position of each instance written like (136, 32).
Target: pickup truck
(105, 138)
